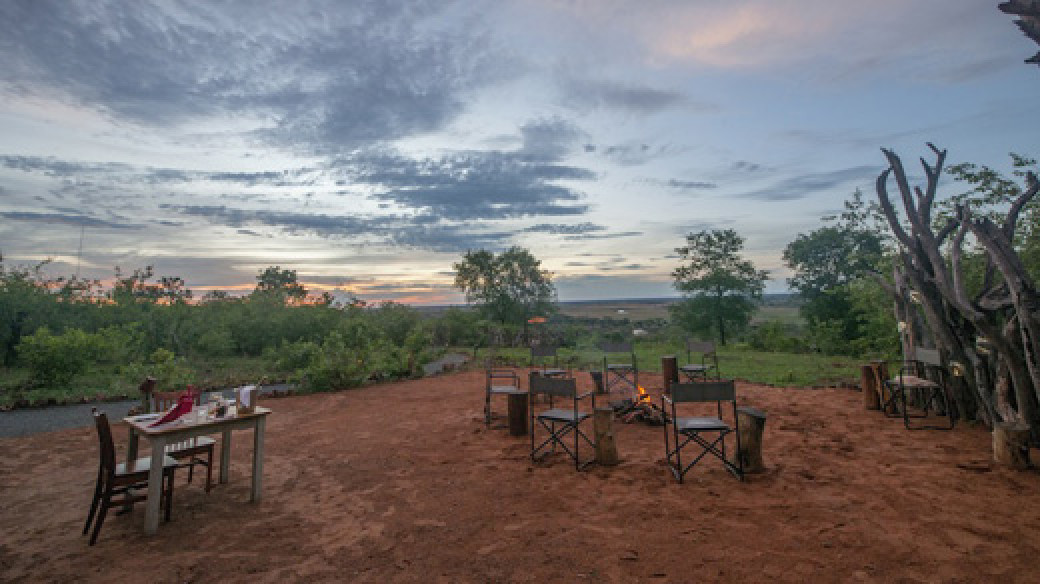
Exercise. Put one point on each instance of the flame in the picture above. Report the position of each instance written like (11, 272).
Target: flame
(643, 395)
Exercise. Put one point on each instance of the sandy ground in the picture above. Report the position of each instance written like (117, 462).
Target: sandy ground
(402, 483)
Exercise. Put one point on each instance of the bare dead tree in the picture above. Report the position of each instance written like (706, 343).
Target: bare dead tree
(1028, 12)
(994, 391)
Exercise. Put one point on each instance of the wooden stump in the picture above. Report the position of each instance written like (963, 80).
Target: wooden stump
(1011, 445)
(603, 430)
(880, 390)
(669, 371)
(597, 380)
(868, 383)
(518, 414)
(752, 422)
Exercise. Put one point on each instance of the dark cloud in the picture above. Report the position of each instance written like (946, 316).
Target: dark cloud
(582, 94)
(65, 219)
(415, 232)
(634, 153)
(471, 185)
(798, 187)
(588, 236)
(326, 74)
(564, 229)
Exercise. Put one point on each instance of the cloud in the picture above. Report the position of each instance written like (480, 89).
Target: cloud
(799, 187)
(309, 73)
(634, 153)
(685, 186)
(564, 229)
(65, 219)
(583, 94)
(415, 232)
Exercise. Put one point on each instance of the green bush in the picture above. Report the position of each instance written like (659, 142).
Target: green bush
(217, 342)
(337, 365)
(774, 335)
(56, 359)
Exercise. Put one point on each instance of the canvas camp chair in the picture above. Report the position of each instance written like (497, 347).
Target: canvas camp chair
(498, 381)
(559, 421)
(925, 378)
(546, 358)
(707, 433)
(708, 360)
(620, 379)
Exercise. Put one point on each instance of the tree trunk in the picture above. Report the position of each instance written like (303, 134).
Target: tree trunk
(868, 384)
(603, 430)
(752, 423)
(518, 415)
(1011, 445)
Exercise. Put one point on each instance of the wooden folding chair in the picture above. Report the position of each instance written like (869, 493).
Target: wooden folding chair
(926, 379)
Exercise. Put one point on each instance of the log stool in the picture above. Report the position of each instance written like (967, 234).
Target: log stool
(603, 430)
(752, 422)
(1011, 445)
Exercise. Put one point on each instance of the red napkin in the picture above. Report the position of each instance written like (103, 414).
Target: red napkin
(184, 404)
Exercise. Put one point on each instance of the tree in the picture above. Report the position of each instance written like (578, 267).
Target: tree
(720, 289)
(825, 263)
(993, 333)
(508, 288)
(279, 285)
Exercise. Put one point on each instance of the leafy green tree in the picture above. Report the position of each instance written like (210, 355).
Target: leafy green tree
(508, 288)
(825, 262)
(279, 285)
(720, 288)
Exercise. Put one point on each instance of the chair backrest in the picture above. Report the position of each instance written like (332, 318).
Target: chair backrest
(928, 356)
(703, 391)
(616, 347)
(554, 386)
(704, 347)
(164, 400)
(543, 351)
(107, 446)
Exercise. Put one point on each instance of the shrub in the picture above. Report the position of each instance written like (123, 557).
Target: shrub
(57, 359)
(336, 365)
(217, 342)
(775, 336)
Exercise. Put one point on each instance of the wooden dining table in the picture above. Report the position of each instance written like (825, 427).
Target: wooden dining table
(188, 427)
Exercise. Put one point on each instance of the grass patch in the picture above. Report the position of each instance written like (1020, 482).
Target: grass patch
(780, 369)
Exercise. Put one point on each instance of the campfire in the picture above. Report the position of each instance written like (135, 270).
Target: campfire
(640, 409)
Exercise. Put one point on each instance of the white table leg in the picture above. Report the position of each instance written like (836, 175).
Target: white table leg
(155, 484)
(225, 455)
(258, 459)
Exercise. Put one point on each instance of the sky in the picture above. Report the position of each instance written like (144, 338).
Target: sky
(369, 144)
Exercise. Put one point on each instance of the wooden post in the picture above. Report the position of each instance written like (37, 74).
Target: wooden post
(868, 383)
(597, 380)
(518, 413)
(603, 429)
(752, 422)
(1011, 444)
(146, 388)
(669, 371)
(883, 393)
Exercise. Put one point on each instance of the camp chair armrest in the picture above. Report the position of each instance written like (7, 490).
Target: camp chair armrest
(666, 399)
(585, 395)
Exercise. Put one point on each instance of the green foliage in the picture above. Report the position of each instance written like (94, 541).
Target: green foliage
(720, 288)
(338, 364)
(279, 286)
(56, 359)
(777, 336)
(508, 288)
(825, 264)
(217, 341)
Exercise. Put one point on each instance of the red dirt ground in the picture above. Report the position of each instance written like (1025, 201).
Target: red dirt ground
(401, 482)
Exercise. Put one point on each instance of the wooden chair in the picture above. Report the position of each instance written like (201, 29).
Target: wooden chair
(559, 421)
(691, 428)
(709, 360)
(188, 452)
(926, 379)
(121, 479)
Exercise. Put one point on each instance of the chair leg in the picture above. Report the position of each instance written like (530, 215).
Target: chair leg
(105, 502)
(93, 506)
(169, 496)
(209, 470)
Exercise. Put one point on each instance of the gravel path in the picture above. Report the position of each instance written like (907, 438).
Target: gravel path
(26, 421)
